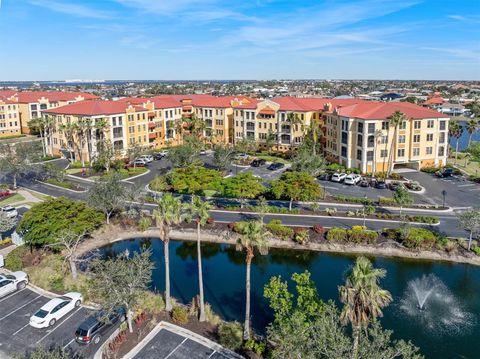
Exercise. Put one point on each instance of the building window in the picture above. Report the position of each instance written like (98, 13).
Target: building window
(430, 123)
(371, 128)
(359, 155)
(401, 139)
(416, 152)
(417, 125)
(403, 125)
(416, 138)
(443, 125)
(360, 127)
(401, 152)
(359, 140)
(384, 140)
(441, 151)
(344, 151)
(383, 153)
(429, 137)
(441, 138)
(369, 155)
(384, 125)
(429, 150)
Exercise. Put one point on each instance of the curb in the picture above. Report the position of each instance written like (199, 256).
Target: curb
(63, 188)
(80, 178)
(140, 175)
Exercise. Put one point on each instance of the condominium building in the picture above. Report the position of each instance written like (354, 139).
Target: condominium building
(354, 132)
(9, 118)
(31, 103)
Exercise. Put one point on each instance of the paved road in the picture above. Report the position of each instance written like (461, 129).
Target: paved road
(17, 336)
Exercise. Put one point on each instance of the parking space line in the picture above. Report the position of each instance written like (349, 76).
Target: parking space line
(58, 326)
(19, 330)
(12, 294)
(466, 185)
(9, 314)
(70, 342)
(174, 350)
(212, 354)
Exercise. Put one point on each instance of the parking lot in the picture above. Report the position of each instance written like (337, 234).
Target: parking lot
(17, 336)
(164, 343)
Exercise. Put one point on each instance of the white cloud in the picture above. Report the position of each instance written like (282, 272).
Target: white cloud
(71, 9)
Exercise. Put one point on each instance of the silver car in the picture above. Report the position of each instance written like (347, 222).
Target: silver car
(10, 211)
(10, 283)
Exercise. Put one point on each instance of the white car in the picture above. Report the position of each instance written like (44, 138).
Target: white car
(164, 153)
(203, 152)
(241, 156)
(338, 177)
(10, 283)
(140, 162)
(352, 179)
(146, 158)
(9, 211)
(55, 309)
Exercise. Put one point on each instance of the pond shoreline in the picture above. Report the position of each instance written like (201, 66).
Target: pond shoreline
(114, 234)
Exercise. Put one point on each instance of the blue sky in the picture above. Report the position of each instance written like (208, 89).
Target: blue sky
(250, 39)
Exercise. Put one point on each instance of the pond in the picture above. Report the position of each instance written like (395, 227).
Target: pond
(448, 327)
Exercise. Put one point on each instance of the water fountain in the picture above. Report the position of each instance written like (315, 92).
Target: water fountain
(429, 301)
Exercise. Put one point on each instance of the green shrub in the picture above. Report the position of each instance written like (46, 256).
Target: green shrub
(14, 259)
(150, 302)
(335, 167)
(180, 315)
(395, 176)
(353, 199)
(430, 169)
(257, 347)
(388, 201)
(144, 223)
(359, 234)
(159, 184)
(301, 235)
(231, 335)
(476, 250)
(337, 234)
(330, 211)
(277, 229)
(391, 233)
(5, 241)
(420, 238)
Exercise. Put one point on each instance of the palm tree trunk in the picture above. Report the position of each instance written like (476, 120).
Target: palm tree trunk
(355, 334)
(470, 139)
(246, 327)
(470, 240)
(456, 152)
(42, 138)
(386, 146)
(290, 204)
(73, 267)
(390, 155)
(168, 301)
(200, 275)
(129, 320)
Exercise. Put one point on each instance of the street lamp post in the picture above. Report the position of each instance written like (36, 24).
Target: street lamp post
(444, 194)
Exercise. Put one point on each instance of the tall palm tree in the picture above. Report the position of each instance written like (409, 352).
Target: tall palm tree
(253, 236)
(69, 129)
(376, 136)
(200, 209)
(396, 119)
(363, 297)
(472, 127)
(293, 119)
(82, 129)
(455, 130)
(168, 214)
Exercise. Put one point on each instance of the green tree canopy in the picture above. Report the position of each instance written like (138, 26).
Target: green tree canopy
(194, 180)
(17, 159)
(243, 186)
(295, 186)
(187, 154)
(222, 156)
(42, 224)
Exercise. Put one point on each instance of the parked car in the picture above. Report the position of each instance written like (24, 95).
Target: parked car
(241, 156)
(338, 177)
(445, 172)
(258, 162)
(203, 152)
(413, 186)
(157, 156)
(146, 158)
(352, 179)
(92, 328)
(275, 166)
(380, 185)
(164, 153)
(55, 309)
(5, 194)
(364, 182)
(140, 162)
(10, 283)
(324, 176)
(10, 211)
(394, 185)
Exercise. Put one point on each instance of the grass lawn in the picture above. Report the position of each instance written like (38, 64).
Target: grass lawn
(130, 172)
(72, 171)
(12, 199)
(11, 137)
(270, 158)
(473, 167)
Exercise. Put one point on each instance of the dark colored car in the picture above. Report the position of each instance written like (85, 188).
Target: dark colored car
(157, 156)
(444, 173)
(325, 176)
(275, 166)
(92, 328)
(364, 182)
(380, 185)
(394, 185)
(258, 162)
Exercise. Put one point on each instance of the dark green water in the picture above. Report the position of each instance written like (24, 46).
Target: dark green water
(224, 281)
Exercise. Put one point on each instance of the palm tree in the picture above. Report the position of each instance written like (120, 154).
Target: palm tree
(201, 209)
(472, 127)
(83, 128)
(455, 130)
(293, 119)
(253, 235)
(69, 131)
(363, 297)
(376, 136)
(168, 214)
(396, 119)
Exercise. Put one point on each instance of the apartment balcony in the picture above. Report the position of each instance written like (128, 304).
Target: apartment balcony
(250, 128)
(152, 136)
(151, 125)
(286, 129)
(285, 140)
(208, 123)
(251, 135)
(151, 114)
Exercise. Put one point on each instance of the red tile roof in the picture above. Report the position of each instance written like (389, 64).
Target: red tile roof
(310, 103)
(91, 108)
(373, 110)
(434, 101)
(52, 96)
(7, 93)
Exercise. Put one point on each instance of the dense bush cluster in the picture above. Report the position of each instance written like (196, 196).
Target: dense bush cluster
(357, 234)
(276, 227)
